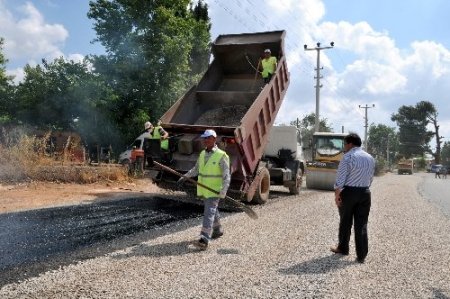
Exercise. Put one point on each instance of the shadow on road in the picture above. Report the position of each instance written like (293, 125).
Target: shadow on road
(318, 266)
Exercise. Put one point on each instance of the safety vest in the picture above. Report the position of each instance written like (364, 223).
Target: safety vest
(268, 65)
(210, 173)
(157, 135)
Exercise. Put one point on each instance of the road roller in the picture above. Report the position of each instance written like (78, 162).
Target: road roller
(327, 152)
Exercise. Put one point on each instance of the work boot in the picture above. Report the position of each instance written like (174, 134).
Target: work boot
(338, 250)
(201, 244)
(217, 234)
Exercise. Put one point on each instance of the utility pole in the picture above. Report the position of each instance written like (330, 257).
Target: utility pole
(366, 121)
(318, 77)
(387, 153)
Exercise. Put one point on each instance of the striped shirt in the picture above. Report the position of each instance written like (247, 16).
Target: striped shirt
(355, 170)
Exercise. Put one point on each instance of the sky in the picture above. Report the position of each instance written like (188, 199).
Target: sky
(386, 53)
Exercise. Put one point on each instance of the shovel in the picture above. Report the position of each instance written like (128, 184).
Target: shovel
(242, 206)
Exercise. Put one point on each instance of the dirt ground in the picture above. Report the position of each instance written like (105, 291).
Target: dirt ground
(45, 194)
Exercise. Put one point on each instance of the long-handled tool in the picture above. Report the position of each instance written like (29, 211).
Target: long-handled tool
(256, 74)
(242, 206)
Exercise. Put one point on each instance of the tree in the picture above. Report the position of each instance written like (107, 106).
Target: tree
(413, 134)
(6, 88)
(306, 126)
(383, 141)
(431, 114)
(66, 96)
(155, 50)
(445, 154)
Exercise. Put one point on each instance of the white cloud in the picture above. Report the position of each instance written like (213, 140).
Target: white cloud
(75, 57)
(375, 70)
(428, 58)
(30, 37)
(368, 78)
(17, 73)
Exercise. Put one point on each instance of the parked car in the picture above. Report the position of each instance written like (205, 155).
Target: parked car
(124, 157)
(435, 168)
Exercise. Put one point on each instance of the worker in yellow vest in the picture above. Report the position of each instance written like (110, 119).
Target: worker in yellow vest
(159, 133)
(269, 66)
(213, 170)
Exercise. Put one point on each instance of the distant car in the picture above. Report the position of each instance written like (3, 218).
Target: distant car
(435, 168)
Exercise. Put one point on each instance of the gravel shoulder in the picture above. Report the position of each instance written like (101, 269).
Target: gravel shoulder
(283, 254)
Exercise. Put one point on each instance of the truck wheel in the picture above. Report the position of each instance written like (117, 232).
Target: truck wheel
(295, 189)
(263, 188)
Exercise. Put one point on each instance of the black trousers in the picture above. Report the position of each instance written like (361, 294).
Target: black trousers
(355, 207)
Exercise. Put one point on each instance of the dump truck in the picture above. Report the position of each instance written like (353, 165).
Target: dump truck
(405, 166)
(232, 99)
(327, 150)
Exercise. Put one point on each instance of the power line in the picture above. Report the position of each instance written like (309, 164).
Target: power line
(253, 17)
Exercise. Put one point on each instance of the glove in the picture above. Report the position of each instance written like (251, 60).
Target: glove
(180, 182)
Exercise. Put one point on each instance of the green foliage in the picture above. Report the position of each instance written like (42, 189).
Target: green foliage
(3, 61)
(155, 51)
(380, 164)
(445, 154)
(381, 139)
(420, 163)
(306, 125)
(6, 89)
(66, 96)
(413, 134)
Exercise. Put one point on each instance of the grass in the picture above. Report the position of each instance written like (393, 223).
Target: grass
(27, 158)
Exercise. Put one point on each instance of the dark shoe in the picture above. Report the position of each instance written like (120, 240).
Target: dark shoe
(337, 250)
(217, 234)
(361, 261)
(201, 244)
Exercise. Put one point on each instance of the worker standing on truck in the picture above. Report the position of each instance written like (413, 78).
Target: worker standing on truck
(269, 66)
(213, 170)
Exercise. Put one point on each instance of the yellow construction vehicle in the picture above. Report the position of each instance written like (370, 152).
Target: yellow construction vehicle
(405, 166)
(327, 150)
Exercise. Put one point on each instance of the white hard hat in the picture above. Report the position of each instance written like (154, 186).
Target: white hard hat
(209, 133)
(147, 125)
(267, 51)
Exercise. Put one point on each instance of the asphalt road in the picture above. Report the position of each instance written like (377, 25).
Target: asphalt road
(436, 190)
(40, 240)
(46, 239)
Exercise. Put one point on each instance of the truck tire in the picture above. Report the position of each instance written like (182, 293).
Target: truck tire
(295, 189)
(263, 188)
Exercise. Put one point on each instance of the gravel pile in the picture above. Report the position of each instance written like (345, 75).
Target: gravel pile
(284, 254)
(229, 116)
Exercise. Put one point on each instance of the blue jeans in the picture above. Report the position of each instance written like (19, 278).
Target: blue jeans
(211, 218)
